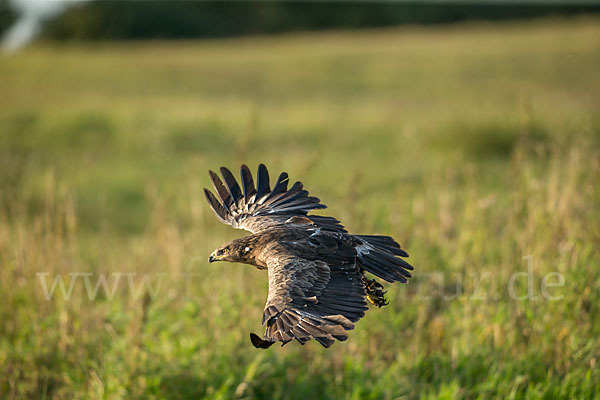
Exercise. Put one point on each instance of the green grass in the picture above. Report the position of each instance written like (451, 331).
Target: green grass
(474, 145)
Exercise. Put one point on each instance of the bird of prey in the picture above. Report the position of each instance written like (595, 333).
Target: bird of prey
(317, 282)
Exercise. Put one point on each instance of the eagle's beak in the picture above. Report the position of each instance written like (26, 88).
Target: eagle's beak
(214, 257)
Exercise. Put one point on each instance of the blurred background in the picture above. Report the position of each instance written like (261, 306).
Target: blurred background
(470, 132)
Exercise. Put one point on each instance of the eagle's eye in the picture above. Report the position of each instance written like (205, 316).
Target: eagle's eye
(223, 252)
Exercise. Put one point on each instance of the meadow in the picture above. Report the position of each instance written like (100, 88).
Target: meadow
(477, 146)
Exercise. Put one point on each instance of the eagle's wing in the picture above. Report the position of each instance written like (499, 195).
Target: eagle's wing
(258, 208)
(311, 299)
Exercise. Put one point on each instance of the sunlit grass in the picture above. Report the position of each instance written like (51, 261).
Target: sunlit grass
(475, 146)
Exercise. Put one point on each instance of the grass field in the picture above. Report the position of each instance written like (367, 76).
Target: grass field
(476, 146)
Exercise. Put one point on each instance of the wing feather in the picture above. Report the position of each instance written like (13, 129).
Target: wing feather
(232, 186)
(262, 187)
(247, 183)
(258, 208)
(219, 210)
(312, 300)
(221, 190)
(280, 185)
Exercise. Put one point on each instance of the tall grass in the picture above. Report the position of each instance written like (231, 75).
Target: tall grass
(475, 146)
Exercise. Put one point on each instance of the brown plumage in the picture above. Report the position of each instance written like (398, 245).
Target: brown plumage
(317, 282)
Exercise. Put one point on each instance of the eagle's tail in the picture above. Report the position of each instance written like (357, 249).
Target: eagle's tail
(380, 255)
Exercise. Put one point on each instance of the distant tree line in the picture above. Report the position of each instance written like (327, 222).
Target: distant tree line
(113, 19)
(7, 16)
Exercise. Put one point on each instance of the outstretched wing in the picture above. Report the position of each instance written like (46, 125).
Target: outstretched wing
(256, 208)
(311, 300)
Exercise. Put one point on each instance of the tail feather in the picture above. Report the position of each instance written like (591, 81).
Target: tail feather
(380, 255)
(386, 243)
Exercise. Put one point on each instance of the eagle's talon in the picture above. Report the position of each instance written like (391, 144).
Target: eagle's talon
(377, 300)
(375, 294)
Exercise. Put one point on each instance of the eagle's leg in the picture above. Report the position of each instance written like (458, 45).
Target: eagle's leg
(375, 292)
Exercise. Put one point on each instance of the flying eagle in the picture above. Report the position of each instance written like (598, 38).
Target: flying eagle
(317, 282)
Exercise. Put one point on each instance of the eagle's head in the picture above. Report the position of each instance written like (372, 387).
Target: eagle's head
(239, 250)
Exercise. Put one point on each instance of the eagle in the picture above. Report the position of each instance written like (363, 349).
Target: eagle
(317, 270)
